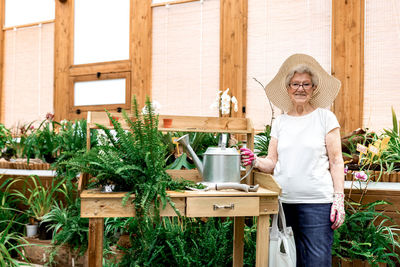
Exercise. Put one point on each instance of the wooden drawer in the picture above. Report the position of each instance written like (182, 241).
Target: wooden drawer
(222, 206)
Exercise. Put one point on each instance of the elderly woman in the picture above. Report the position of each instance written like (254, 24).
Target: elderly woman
(305, 156)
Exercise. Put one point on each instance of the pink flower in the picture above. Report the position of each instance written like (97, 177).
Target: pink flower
(49, 116)
(362, 176)
(346, 169)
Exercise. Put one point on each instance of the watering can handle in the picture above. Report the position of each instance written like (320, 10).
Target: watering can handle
(247, 173)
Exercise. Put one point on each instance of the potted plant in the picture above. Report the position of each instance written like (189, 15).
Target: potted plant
(11, 244)
(5, 139)
(44, 142)
(366, 235)
(39, 201)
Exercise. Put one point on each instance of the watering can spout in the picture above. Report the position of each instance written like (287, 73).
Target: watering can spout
(184, 140)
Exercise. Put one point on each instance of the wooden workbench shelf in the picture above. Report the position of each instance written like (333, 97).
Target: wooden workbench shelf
(225, 203)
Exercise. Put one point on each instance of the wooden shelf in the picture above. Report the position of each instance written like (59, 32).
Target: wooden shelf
(182, 123)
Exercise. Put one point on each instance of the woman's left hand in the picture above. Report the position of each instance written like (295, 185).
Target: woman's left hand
(337, 210)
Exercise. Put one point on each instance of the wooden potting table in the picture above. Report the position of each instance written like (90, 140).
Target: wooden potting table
(225, 203)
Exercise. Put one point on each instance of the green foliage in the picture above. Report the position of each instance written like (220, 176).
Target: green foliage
(366, 235)
(133, 161)
(38, 198)
(68, 226)
(9, 211)
(5, 136)
(250, 242)
(261, 141)
(72, 139)
(198, 141)
(8, 145)
(391, 156)
(11, 244)
(180, 242)
(43, 143)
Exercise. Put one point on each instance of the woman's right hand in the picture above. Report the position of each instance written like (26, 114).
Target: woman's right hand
(247, 156)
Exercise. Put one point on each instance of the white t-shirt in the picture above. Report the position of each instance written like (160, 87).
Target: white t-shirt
(302, 169)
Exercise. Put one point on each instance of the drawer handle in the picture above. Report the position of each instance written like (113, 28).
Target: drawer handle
(229, 207)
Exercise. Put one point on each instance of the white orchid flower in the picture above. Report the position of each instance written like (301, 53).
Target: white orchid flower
(155, 106)
(235, 103)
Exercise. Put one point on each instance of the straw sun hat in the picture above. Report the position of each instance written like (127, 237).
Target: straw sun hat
(323, 96)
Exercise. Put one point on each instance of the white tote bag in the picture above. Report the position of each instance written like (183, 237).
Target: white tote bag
(282, 249)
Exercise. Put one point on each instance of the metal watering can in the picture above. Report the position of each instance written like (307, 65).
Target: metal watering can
(220, 166)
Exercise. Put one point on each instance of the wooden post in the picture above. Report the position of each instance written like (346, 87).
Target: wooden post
(233, 50)
(96, 232)
(262, 241)
(348, 61)
(141, 49)
(238, 235)
(62, 58)
(2, 20)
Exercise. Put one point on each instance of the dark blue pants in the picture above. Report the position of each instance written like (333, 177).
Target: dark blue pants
(312, 233)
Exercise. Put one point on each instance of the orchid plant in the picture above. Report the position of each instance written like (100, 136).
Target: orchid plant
(225, 103)
(155, 108)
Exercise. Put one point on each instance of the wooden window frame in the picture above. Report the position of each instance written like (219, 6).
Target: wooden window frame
(94, 77)
(137, 68)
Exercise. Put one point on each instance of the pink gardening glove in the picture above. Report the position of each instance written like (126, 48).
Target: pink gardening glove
(337, 210)
(247, 156)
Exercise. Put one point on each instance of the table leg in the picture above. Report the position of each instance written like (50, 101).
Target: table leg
(262, 241)
(96, 232)
(238, 234)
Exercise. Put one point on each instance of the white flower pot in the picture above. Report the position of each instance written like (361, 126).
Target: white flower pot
(31, 230)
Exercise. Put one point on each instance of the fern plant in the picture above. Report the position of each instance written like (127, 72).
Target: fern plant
(43, 143)
(133, 161)
(180, 241)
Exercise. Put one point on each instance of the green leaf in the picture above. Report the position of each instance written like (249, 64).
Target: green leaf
(395, 125)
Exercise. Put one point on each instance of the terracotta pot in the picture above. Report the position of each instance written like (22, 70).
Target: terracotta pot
(167, 123)
(114, 118)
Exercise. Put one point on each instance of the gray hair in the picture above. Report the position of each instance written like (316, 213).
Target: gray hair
(302, 69)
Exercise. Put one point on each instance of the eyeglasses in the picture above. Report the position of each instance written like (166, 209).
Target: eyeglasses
(296, 86)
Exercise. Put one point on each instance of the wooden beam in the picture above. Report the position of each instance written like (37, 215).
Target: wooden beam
(62, 58)
(102, 67)
(262, 243)
(348, 61)
(29, 24)
(95, 248)
(2, 20)
(233, 50)
(173, 3)
(238, 241)
(141, 49)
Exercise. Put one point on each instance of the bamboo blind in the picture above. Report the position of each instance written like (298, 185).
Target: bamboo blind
(276, 30)
(185, 59)
(381, 63)
(28, 74)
